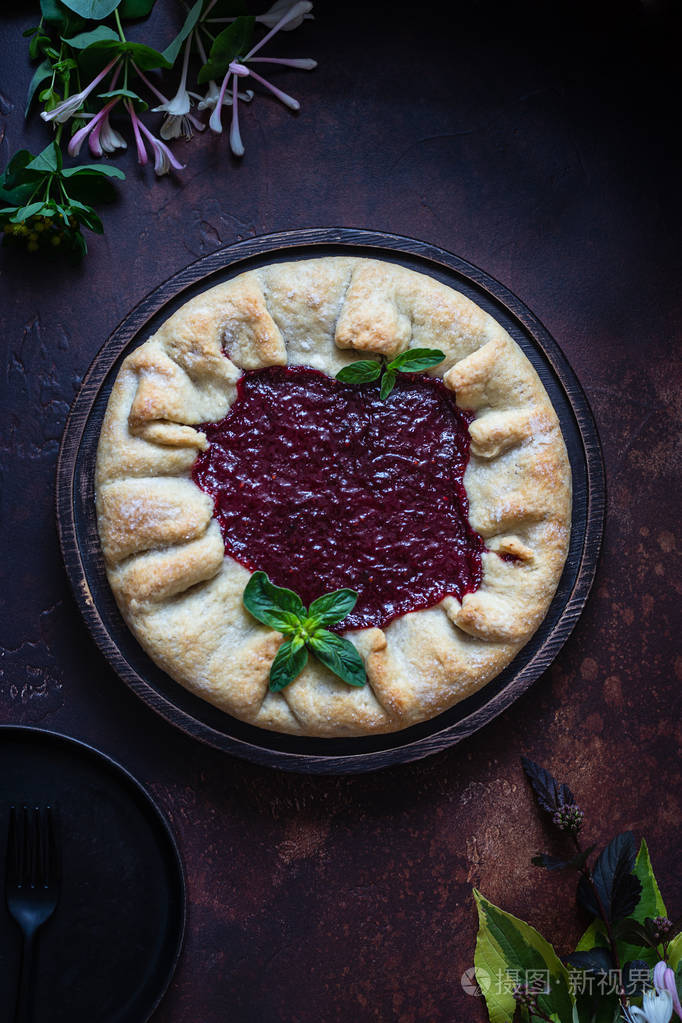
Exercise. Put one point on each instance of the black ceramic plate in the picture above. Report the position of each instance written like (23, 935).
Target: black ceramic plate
(83, 557)
(109, 952)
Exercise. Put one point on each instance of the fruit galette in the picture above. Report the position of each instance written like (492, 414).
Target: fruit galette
(333, 496)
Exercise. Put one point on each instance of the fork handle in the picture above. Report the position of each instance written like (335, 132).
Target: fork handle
(22, 1013)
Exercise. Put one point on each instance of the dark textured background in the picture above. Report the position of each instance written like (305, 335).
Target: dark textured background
(542, 152)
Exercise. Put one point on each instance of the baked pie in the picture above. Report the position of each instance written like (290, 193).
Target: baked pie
(229, 447)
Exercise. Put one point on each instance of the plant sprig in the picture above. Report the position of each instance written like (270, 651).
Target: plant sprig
(46, 204)
(283, 610)
(414, 360)
(630, 937)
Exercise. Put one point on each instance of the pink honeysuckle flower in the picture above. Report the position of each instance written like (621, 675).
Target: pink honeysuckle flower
(92, 128)
(664, 980)
(163, 158)
(108, 139)
(70, 106)
(240, 70)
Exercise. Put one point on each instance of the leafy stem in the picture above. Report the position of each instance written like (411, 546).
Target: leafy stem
(414, 360)
(119, 26)
(304, 631)
(613, 948)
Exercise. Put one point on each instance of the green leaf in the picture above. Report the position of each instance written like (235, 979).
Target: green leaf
(524, 949)
(333, 607)
(266, 601)
(360, 372)
(43, 71)
(387, 383)
(137, 101)
(86, 215)
(145, 57)
(27, 211)
(339, 655)
(289, 662)
(617, 887)
(95, 10)
(650, 905)
(173, 49)
(88, 169)
(96, 35)
(675, 952)
(233, 41)
(491, 972)
(132, 9)
(49, 160)
(416, 360)
(14, 171)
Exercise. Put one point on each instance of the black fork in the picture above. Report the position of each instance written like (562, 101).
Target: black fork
(32, 884)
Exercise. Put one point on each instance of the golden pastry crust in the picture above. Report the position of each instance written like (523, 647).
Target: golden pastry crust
(179, 592)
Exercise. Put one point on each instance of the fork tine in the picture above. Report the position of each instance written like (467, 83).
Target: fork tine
(12, 865)
(52, 871)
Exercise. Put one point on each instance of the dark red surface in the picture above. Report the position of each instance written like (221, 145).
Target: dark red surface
(542, 152)
(326, 486)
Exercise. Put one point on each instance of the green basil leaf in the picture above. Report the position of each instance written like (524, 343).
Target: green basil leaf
(266, 602)
(173, 49)
(288, 663)
(131, 9)
(360, 372)
(333, 607)
(339, 655)
(93, 9)
(387, 383)
(49, 160)
(233, 41)
(416, 360)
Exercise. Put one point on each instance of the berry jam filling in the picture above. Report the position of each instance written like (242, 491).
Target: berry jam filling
(323, 485)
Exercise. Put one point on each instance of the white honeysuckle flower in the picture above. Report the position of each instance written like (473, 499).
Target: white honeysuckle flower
(70, 106)
(657, 1007)
(176, 125)
(110, 139)
(282, 7)
(209, 101)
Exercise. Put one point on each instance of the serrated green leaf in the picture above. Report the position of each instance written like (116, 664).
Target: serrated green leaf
(232, 42)
(94, 10)
(650, 904)
(333, 607)
(524, 949)
(491, 972)
(173, 49)
(416, 360)
(361, 372)
(289, 662)
(340, 656)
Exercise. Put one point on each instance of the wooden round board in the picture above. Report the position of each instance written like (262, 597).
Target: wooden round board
(85, 565)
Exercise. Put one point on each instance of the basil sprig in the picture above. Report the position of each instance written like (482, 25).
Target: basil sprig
(284, 611)
(414, 360)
